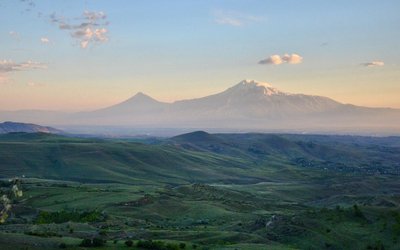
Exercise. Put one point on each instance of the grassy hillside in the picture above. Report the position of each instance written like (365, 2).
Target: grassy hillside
(86, 160)
(203, 191)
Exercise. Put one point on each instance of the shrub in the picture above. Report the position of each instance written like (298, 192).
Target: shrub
(357, 212)
(129, 243)
(62, 245)
(182, 245)
(171, 246)
(86, 243)
(97, 242)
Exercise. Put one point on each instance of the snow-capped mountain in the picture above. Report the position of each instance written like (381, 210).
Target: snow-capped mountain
(246, 106)
(251, 99)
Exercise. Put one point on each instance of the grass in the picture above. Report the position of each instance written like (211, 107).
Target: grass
(217, 192)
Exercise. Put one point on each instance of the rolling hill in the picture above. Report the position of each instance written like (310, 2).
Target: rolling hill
(194, 157)
(14, 127)
(208, 191)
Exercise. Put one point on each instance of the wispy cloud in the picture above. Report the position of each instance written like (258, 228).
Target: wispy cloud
(15, 35)
(89, 28)
(7, 67)
(44, 40)
(35, 84)
(286, 58)
(10, 66)
(234, 18)
(373, 64)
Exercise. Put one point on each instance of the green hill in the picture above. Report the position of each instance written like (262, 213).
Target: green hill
(189, 158)
(203, 191)
(88, 160)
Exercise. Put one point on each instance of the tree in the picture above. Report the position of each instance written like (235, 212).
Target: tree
(7, 197)
(129, 243)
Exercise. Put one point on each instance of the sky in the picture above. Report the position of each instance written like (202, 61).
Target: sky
(84, 55)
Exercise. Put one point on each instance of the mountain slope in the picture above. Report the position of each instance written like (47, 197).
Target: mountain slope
(13, 127)
(254, 100)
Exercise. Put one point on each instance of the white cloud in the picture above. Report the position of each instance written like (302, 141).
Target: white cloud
(88, 29)
(274, 59)
(234, 18)
(286, 58)
(44, 40)
(373, 64)
(292, 59)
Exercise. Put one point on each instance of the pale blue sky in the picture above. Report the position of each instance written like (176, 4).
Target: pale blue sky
(183, 49)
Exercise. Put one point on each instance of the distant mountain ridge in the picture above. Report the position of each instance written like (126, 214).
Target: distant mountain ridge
(14, 127)
(247, 106)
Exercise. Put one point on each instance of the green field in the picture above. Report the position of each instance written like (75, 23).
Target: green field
(203, 191)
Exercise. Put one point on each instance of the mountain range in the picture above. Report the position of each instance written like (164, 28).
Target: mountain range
(247, 106)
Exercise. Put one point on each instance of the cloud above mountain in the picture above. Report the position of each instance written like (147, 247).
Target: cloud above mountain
(373, 64)
(89, 28)
(286, 58)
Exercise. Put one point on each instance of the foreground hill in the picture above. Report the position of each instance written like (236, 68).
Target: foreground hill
(202, 191)
(86, 160)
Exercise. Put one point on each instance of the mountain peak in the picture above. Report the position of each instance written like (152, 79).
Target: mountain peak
(253, 86)
(251, 82)
(140, 97)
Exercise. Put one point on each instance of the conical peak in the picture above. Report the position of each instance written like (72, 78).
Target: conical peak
(140, 97)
